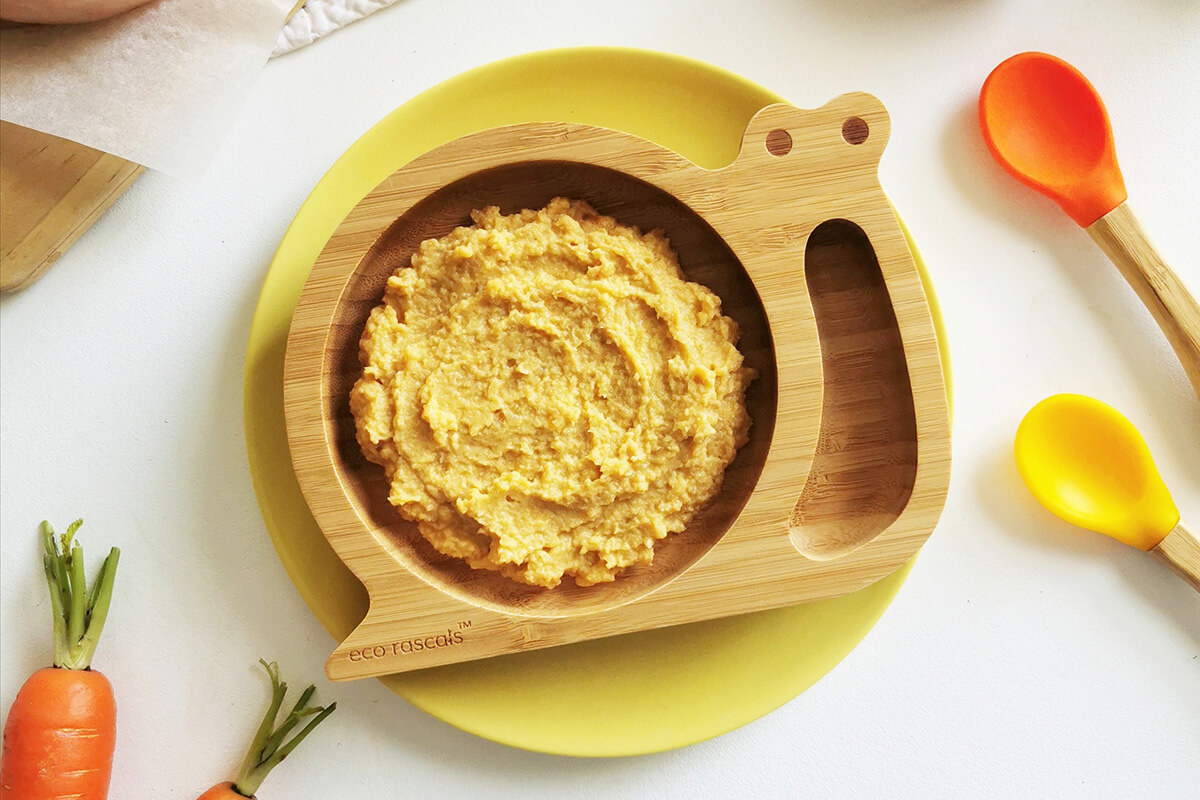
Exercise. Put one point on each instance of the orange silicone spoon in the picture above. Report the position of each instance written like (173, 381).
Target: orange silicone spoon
(1045, 124)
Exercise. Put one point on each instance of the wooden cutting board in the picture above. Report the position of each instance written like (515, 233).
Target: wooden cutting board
(51, 191)
(847, 466)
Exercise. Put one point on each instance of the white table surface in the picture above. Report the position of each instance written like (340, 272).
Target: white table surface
(1021, 659)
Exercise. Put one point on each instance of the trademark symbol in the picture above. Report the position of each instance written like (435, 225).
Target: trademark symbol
(466, 623)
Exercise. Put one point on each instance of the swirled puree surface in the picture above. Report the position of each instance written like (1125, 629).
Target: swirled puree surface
(548, 395)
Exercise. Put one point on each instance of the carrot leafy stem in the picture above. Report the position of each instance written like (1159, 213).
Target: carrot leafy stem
(79, 614)
(269, 747)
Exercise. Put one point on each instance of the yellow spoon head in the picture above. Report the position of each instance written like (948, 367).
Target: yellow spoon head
(1086, 463)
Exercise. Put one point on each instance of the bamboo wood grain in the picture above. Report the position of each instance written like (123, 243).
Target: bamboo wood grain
(1181, 551)
(846, 470)
(1125, 242)
(51, 191)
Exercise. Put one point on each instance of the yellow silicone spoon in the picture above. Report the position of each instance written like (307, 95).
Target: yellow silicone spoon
(1088, 464)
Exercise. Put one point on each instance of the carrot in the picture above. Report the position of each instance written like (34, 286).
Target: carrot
(222, 791)
(268, 747)
(61, 729)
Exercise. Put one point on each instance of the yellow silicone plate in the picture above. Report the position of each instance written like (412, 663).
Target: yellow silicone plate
(626, 695)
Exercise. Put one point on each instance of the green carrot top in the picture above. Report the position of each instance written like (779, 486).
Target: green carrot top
(269, 747)
(79, 614)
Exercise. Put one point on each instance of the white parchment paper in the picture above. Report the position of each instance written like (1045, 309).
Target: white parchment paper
(158, 85)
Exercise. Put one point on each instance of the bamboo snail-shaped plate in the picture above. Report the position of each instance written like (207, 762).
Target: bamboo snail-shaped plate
(846, 469)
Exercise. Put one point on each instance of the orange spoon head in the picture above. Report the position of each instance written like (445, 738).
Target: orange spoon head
(1046, 125)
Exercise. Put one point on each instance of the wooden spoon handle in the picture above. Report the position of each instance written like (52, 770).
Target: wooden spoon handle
(1181, 551)
(1123, 240)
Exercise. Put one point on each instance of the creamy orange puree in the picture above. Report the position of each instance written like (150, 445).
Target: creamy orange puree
(548, 395)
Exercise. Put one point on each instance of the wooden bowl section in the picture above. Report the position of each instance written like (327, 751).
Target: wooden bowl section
(866, 462)
(705, 258)
(847, 465)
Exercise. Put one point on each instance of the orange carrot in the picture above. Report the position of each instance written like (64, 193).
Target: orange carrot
(268, 747)
(222, 791)
(61, 729)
